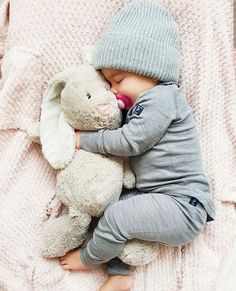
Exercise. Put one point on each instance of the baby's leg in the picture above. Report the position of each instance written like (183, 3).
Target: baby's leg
(121, 274)
(152, 217)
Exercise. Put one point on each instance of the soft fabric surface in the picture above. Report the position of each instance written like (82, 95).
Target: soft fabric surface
(47, 36)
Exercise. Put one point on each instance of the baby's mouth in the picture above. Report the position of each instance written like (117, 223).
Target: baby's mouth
(124, 102)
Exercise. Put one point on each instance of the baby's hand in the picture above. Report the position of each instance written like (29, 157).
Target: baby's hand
(77, 143)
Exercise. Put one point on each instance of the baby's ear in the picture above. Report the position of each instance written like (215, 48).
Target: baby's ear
(88, 52)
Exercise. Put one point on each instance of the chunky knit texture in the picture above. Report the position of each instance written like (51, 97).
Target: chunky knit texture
(47, 36)
(141, 38)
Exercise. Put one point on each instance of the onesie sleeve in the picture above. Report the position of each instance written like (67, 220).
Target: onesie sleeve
(147, 121)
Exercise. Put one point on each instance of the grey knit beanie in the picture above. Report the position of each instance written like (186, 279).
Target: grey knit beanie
(141, 38)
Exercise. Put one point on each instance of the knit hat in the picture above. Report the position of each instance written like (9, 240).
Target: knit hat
(141, 38)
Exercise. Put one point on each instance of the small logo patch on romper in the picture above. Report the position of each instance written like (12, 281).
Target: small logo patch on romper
(138, 110)
(193, 201)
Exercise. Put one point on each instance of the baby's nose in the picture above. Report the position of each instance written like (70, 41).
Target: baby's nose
(114, 90)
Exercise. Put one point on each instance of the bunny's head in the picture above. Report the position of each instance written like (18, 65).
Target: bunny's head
(87, 102)
(77, 98)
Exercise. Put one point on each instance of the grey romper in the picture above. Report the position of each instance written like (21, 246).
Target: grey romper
(172, 200)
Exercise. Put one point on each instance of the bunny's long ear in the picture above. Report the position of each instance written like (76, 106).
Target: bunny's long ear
(56, 135)
(88, 52)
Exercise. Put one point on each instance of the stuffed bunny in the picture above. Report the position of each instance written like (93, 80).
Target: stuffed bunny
(79, 98)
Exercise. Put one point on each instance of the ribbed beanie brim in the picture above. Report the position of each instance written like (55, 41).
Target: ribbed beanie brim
(142, 38)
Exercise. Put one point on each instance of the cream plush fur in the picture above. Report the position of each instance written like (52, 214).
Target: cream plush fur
(79, 98)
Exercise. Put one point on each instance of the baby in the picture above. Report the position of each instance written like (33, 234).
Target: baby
(171, 203)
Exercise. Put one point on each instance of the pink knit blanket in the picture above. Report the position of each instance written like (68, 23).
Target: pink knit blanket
(42, 37)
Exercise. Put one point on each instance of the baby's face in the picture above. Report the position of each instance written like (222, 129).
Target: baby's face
(129, 84)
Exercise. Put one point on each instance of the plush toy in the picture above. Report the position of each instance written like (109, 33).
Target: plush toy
(79, 98)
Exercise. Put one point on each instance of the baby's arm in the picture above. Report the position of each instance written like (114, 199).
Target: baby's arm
(148, 122)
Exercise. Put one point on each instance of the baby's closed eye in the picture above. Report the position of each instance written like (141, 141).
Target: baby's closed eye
(118, 80)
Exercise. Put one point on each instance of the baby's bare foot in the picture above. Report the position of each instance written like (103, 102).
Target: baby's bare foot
(72, 261)
(117, 283)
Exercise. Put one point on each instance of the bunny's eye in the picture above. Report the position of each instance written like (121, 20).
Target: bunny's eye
(88, 95)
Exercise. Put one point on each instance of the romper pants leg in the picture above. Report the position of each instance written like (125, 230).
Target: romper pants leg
(146, 216)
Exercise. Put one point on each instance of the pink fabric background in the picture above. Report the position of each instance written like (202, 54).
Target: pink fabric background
(43, 37)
